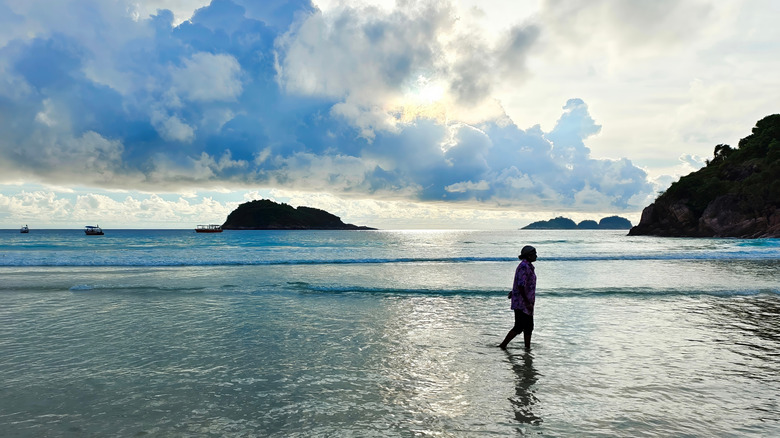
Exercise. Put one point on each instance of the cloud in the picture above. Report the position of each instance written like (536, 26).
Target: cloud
(468, 186)
(171, 128)
(47, 209)
(694, 161)
(353, 49)
(27, 206)
(208, 77)
(625, 27)
(358, 101)
(574, 126)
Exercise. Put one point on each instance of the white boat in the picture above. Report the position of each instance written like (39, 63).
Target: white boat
(208, 229)
(89, 230)
(24, 229)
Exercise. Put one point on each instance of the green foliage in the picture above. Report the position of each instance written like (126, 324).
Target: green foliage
(751, 172)
(773, 191)
(564, 223)
(559, 223)
(698, 189)
(588, 225)
(614, 223)
(722, 151)
(757, 144)
(266, 214)
(773, 154)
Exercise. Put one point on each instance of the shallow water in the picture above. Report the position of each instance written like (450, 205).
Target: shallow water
(169, 333)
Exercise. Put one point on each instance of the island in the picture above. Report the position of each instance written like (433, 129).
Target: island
(737, 194)
(265, 214)
(564, 223)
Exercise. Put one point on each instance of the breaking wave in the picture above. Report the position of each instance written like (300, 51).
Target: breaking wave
(173, 262)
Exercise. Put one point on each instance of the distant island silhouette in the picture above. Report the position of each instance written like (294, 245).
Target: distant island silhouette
(564, 223)
(265, 214)
(736, 195)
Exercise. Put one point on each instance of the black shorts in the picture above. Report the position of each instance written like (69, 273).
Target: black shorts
(523, 322)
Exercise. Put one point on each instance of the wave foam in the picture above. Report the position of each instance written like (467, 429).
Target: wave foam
(145, 262)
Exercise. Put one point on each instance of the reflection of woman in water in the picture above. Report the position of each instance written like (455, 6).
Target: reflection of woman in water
(524, 400)
(523, 297)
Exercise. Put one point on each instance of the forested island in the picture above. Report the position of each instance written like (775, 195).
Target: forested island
(564, 223)
(265, 214)
(736, 195)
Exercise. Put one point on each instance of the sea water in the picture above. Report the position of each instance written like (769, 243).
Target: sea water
(385, 333)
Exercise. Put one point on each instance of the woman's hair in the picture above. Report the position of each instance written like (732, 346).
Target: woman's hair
(526, 251)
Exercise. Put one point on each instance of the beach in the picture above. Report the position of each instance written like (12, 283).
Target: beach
(385, 333)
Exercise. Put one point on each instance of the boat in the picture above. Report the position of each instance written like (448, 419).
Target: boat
(24, 229)
(208, 228)
(89, 230)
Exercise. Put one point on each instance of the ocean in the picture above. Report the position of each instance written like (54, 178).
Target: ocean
(385, 333)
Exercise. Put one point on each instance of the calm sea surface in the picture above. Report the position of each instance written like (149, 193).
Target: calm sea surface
(385, 333)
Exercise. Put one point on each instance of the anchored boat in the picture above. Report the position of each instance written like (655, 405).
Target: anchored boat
(89, 230)
(208, 229)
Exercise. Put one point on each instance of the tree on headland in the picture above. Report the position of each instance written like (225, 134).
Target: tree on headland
(559, 223)
(564, 223)
(722, 151)
(614, 223)
(265, 214)
(737, 194)
(588, 224)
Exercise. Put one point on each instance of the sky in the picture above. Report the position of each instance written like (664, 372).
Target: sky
(392, 114)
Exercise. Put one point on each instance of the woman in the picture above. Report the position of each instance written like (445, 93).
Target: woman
(523, 297)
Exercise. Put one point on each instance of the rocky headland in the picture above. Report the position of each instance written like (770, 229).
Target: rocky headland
(564, 223)
(268, 215)
(736, 195)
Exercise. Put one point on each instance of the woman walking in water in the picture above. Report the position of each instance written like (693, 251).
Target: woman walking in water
(523, 297)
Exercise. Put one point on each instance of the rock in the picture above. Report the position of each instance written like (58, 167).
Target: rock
(665, 220)
(723, 218)
(682, 214)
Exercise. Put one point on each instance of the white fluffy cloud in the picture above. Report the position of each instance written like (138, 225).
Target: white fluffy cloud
(49, 209)
(208, 77)
(663, 78)
(171, 128)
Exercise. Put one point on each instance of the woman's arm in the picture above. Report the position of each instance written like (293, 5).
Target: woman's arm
(523, 287)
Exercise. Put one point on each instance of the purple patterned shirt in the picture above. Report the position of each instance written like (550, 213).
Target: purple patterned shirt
(524, 286)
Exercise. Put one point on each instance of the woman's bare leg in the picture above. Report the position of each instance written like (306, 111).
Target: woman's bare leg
(509, 336)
